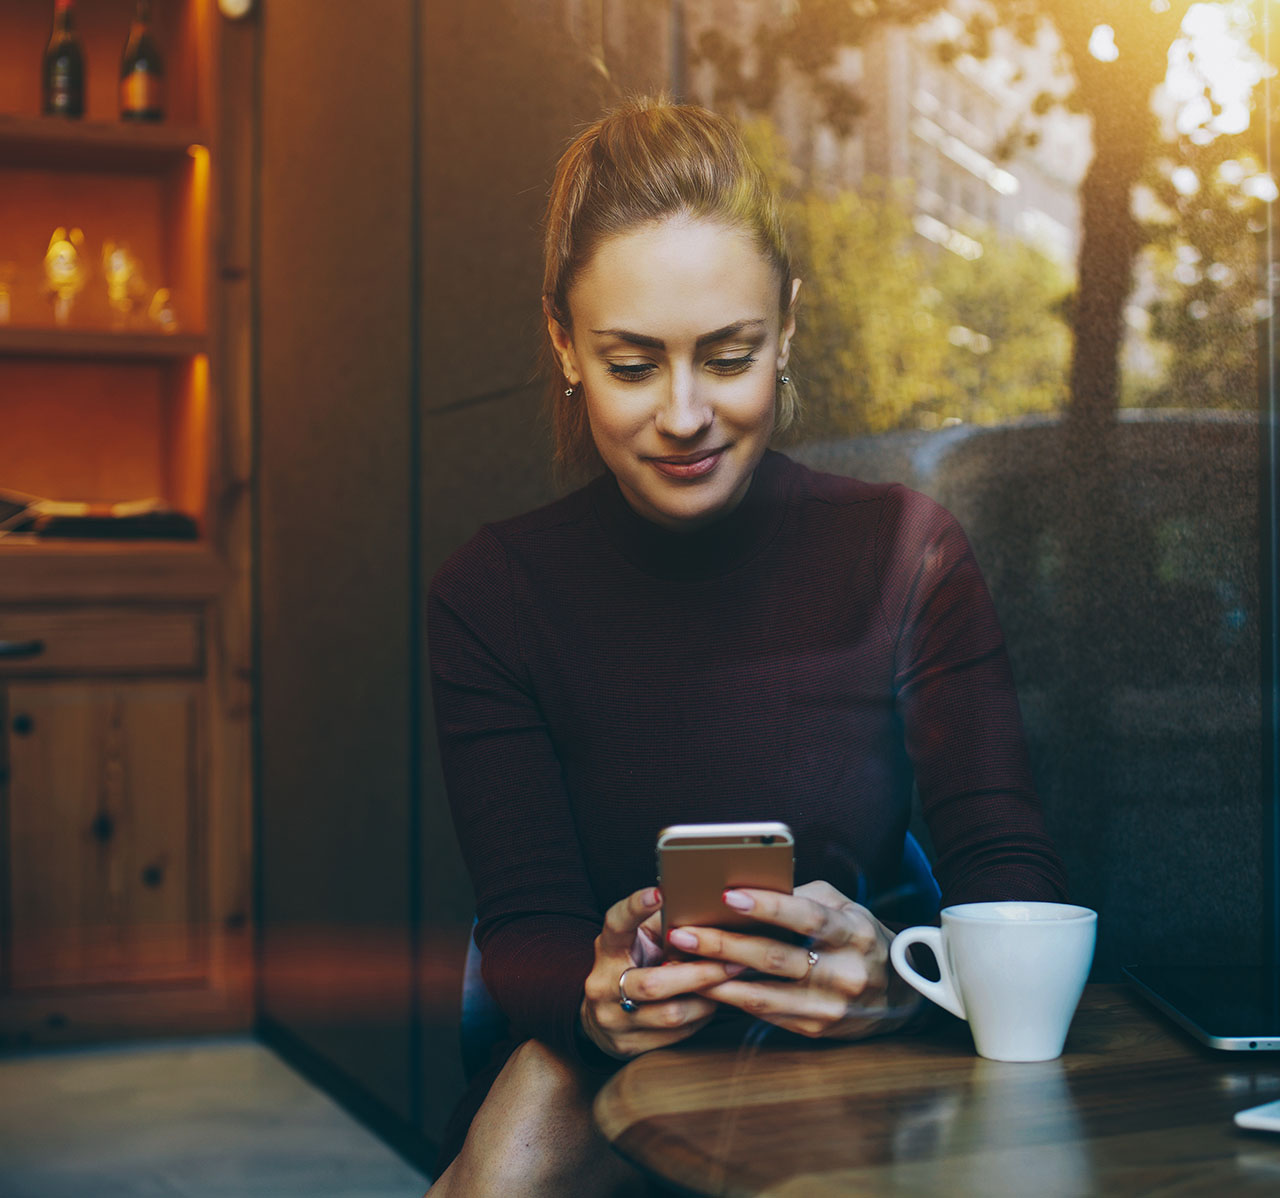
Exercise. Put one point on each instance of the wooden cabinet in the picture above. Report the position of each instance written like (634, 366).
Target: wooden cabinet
(125, 846)
(105, 844)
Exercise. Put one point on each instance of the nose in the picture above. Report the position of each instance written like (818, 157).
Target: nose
(685, 412)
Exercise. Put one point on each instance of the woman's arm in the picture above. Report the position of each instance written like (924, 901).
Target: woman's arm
(537, 917)
(961, 724)
(552, 960)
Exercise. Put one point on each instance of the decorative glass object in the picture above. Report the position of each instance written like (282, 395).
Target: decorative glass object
(161, 311)
(64, 271)
(125, 284)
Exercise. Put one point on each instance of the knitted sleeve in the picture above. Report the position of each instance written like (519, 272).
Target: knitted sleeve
(537, 916)
(955, 696)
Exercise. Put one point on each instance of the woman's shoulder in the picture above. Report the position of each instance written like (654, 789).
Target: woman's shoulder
(903, 527)
(489, 552)
(865, 500)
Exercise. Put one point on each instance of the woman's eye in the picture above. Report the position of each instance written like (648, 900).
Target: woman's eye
(633, 372)
(731, 365)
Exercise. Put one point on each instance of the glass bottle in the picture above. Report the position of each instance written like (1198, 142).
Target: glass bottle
(141, 71)
(64, 65)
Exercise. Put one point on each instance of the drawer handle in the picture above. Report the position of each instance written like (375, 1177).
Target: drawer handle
(21, 648)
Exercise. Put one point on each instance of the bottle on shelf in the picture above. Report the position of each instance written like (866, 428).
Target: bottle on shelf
(141, 71)
(64, 65)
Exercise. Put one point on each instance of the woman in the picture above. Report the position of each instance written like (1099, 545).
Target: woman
(706, 632)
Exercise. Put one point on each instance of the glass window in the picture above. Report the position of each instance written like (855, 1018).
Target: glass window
(1105, 466)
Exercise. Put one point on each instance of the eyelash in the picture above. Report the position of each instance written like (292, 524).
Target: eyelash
(641, 371)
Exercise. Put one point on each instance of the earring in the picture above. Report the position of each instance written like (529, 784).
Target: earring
(568, 391)
(784, 379)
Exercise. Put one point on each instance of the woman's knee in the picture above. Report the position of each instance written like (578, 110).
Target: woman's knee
(534, 1134)
(540, 1075)
(540, 1058)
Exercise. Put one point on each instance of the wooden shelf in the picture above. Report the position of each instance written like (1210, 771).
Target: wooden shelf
(61, 144)
(91, 344)
(35, 569)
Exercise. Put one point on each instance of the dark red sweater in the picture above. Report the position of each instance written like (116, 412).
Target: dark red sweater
(597, 677)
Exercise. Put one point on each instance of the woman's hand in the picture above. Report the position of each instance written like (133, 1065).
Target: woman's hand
(668, 1007)
(840, 985)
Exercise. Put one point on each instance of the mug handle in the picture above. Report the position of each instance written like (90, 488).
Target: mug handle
(942, 992)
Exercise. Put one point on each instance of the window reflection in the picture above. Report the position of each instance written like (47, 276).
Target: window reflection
(1033, 293)
(1031, 237)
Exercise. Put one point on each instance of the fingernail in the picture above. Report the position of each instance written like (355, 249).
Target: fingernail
(650, 897)
(738, 901)
(682, 939)
(732, 971)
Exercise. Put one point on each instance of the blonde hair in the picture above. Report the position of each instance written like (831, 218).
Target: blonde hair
(645, 161)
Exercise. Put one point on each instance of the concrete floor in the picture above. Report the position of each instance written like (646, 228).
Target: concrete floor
(201, 1119)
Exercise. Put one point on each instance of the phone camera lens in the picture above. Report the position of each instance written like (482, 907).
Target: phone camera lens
(766, 840)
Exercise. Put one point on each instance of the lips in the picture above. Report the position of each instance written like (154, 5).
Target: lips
(688, 465)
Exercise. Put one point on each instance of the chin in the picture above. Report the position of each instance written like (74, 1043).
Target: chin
(695, 511)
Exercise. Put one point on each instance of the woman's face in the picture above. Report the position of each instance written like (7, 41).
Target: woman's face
(677, 343)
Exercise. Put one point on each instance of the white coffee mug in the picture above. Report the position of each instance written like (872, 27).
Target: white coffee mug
(1014, 970)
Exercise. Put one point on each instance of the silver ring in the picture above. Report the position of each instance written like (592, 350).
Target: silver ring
(627, 1004)
(813, 960)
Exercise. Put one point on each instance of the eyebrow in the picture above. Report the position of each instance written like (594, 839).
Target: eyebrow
(729, 330)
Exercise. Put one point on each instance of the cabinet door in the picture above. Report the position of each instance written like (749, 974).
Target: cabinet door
(104, 812)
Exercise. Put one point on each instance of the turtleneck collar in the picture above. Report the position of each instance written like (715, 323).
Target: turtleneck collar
(704, 552)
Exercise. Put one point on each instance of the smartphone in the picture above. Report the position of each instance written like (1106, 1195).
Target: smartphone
(697, 863)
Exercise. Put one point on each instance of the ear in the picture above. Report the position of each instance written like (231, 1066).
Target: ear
(788, 327)
(562, 343)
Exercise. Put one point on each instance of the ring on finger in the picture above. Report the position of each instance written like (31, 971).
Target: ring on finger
(627, 1004)
(813, 960)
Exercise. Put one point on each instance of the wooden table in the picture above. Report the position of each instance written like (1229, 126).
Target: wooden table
(1132, 1107)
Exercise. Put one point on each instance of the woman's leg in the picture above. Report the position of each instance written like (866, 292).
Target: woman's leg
(534, 1136)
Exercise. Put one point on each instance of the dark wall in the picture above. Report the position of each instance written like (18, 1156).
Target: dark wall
(406, 158)
(336, 471)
